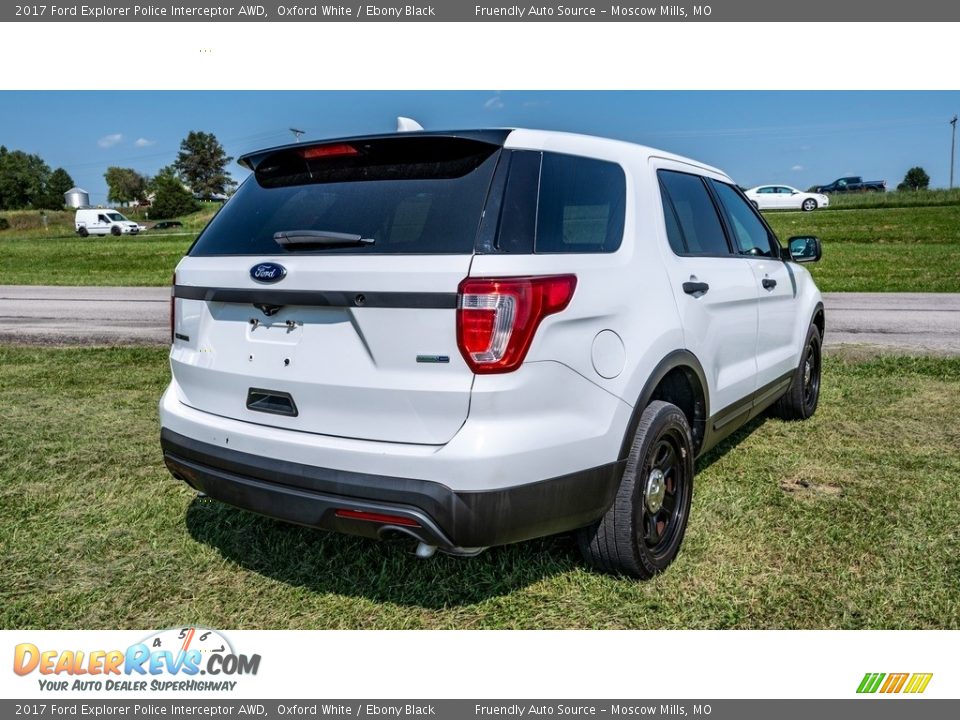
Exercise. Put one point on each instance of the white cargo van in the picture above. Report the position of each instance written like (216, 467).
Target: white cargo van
(99, 221)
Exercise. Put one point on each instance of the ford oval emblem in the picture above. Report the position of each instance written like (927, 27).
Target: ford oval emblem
(268, 272)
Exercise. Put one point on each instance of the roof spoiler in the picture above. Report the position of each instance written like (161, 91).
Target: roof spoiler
(494, 137)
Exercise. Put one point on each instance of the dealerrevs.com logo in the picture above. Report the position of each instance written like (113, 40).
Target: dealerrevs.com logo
(179, 659)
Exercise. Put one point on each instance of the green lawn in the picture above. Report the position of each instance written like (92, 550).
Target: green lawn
(901, 226)
(142, 260)
(850, 520)
(895, 198)
(871, 250)
(881, 250)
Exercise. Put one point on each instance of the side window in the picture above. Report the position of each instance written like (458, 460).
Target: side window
(581, 205)
(674, 233)
(749, 232)
(767, 190)
(695, 215)
(518, 216)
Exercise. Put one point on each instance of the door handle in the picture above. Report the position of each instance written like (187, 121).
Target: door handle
(693, 288)
(768, 283)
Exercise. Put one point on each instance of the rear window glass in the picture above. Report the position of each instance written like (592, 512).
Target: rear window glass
(417, 195)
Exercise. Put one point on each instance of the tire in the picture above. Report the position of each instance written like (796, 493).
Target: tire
(808, 205)
(631, 538)
(115, 231)
(83, 232)
(801, 399)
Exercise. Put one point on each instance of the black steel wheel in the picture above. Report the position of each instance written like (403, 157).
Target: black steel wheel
(802, 397)
(641, 533)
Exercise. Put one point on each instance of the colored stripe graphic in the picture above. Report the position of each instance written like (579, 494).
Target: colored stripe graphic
(894, 683)
(918, 682)
(870, 683)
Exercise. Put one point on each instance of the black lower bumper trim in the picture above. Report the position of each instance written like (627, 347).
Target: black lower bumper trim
(309, 495)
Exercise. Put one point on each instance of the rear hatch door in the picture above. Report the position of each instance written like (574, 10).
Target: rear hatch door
(322, 297)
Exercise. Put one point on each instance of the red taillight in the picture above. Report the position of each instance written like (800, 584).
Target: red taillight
(173, 308)
(319, 151)
(376, 517)
(498, 317)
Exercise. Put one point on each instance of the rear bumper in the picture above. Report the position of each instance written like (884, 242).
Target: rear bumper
(433, 513)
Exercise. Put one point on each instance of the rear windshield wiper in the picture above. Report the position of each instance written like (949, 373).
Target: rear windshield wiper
(319, 238)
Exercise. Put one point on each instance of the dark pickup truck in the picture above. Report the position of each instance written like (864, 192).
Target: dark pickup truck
(852, 184)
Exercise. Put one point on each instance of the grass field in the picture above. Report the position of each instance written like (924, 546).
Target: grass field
(60, 223)
(92, 261)
(850, 520)
(35, 254)
(870, 250)
(881, 250)
(895, 198)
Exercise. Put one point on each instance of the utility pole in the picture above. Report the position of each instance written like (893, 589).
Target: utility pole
(297, 133)
(953, 146)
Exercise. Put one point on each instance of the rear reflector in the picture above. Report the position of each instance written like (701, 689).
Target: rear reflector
(497, 318)
(319, 151)
(376, 517)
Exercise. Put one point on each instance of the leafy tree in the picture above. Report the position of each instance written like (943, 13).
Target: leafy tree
(57, 185)
(202, 163)
(915, 179)
(125, 184)
(170, 198)
(23, 179)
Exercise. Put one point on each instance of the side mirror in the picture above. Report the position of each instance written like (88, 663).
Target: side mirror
(804, 248)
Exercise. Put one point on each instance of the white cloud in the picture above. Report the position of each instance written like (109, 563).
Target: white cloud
(143, 142)
(797, 168)
(110, 140)
(494, 103)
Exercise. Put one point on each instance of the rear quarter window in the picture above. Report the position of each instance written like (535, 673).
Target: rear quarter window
(581, 206)
(557, 203)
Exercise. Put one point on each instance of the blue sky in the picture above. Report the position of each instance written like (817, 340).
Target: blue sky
(792, 137)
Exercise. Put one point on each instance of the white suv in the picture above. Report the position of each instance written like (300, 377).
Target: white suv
(476, 338)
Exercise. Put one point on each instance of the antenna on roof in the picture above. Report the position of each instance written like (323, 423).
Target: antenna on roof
(297, 133)
(405, 124)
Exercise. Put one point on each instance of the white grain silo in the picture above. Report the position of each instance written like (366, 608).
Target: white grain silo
(77, 198)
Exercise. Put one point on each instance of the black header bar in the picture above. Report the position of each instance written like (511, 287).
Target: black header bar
(483, 11)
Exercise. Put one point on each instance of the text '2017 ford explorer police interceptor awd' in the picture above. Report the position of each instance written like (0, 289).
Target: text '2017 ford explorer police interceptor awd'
(476, 338)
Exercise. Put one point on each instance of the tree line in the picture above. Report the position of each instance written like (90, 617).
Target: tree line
(26, 181)
(199, 171)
